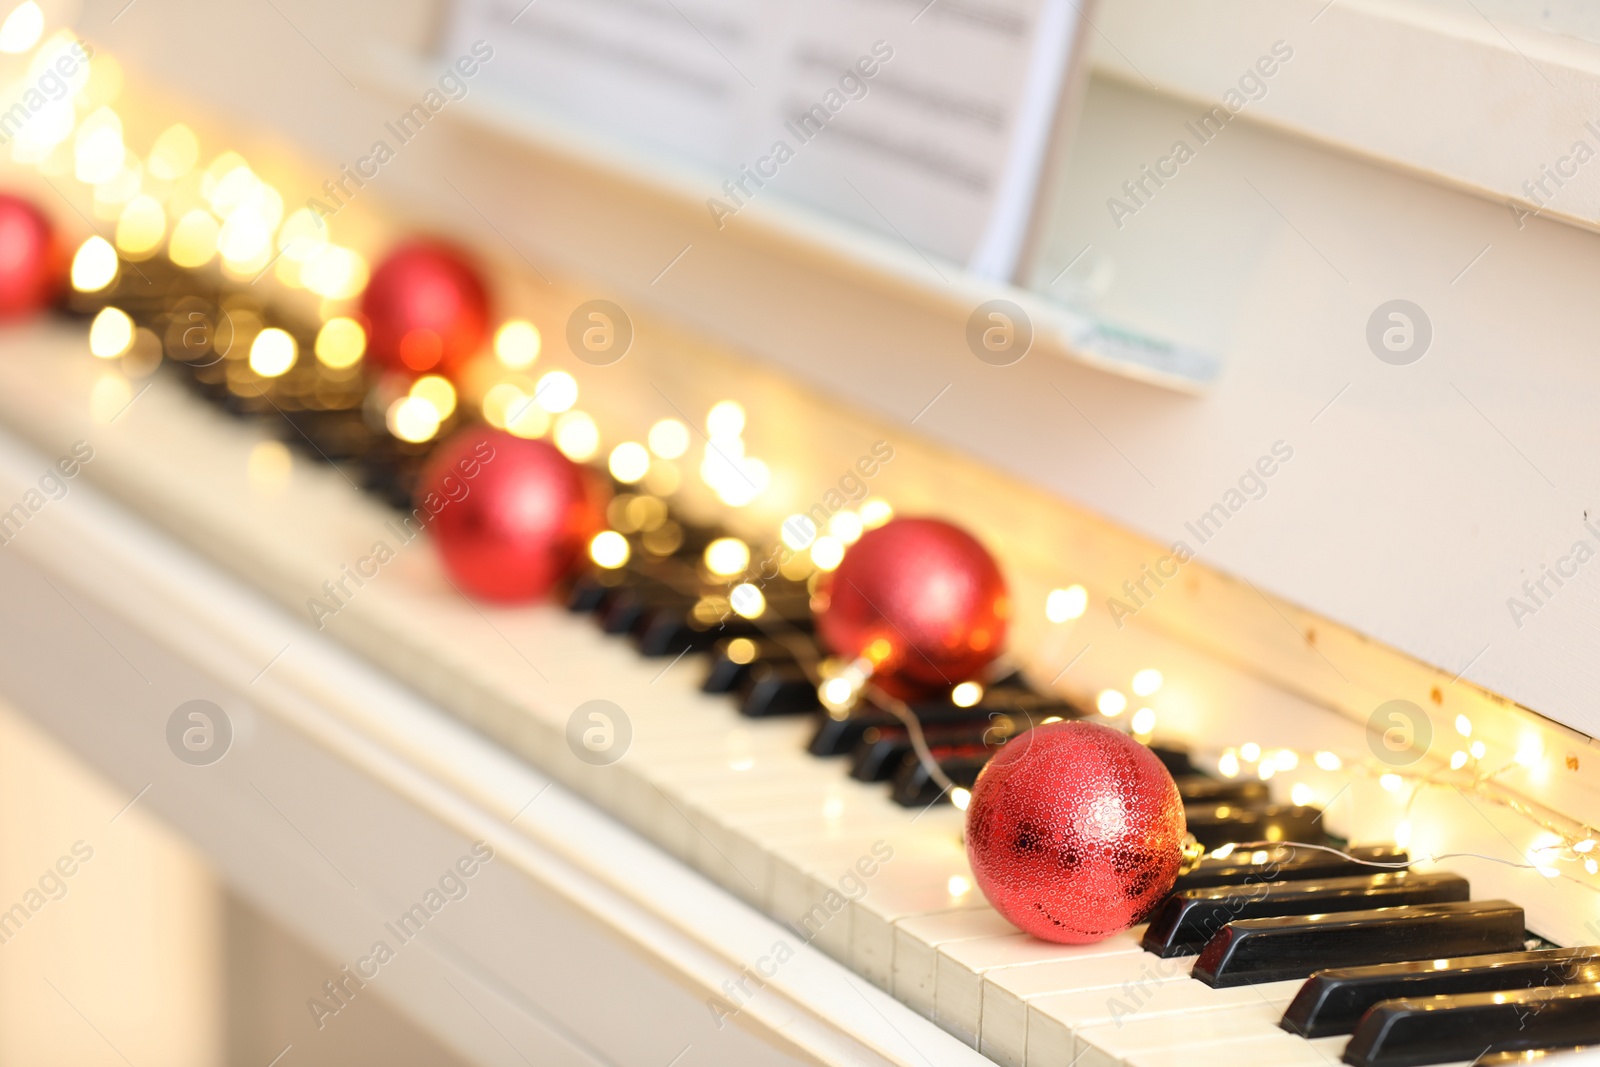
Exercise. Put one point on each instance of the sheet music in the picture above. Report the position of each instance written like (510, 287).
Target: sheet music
(926, 121)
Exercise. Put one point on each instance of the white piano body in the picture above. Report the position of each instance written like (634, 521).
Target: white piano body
(651, 911)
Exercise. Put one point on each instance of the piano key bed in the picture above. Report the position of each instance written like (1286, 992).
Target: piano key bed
(829, 822)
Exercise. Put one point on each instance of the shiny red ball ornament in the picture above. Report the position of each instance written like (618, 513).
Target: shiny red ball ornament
(427, 309)
(32, 264)
(1075, 832)
(510, 516)
(919, 598)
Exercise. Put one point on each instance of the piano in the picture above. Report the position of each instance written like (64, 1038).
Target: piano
(734, 872)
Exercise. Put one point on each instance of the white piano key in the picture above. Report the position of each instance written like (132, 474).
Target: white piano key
(1054, 1019)
(1252, 1026)
(958, 987)
(929, 877)
(916, 950)
(1267, 1050)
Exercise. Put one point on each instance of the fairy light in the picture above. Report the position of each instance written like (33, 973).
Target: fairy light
(335, 273)
(1529, 751)
(1328, 761)
(798, 532)
(1147, 682)
(875, 511)
(1463, 726)
(22, 28)
(609, 549)
(111, 333)
(1458, 760)
(194, 239)
(847, 526)
(1249, 751)
(174, 153)
(577, 436)
(1111, 702)
(727, 556)
(1301, 794)
(960, 798)
(98, 151)
(556, 392)
(1402, 833)
(341, 343)
(747, 600)
(1478, 750)
(273, 352)
(958, 886)
(669, 439)
(837, 693)
(1392, 783)
(1064, 605)
(94, 265)
(1228, 764)
(1286, 759)
(725, 420)
(413, 419)
(827, 552)
(517, 343)
(302, 235)
(437, 391)
(1266, 769)
(141, 226)
(1143, 721)
(966, 694)
(629, 462)
(1224, 852)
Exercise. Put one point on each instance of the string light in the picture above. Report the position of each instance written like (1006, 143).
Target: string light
(747, 600)
(194, 239)
(1328, 761)
(517, 344)
(875, 511)
(1147, 682)
(1249, 751)
(847, 526)
(1143, 721)
(111, 333)
(341, 343)
(827, 552)
(577, 436)
(556, 392)
(727, 556)
(272, 353)
(1064, 605)
(725, 420)
(94, 266)
(1111, 702)
(437, 391)
(609, 549)
(629, 462)
(174, 153)
(669, 439)
(22, 28)
(413, 419)
(966, 694)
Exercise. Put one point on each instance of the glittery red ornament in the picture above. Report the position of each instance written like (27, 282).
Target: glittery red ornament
(510, 515)
(427, 309)
(921, 599)
(32, 264)
(1075, 832)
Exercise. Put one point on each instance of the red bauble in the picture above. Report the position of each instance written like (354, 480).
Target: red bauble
(32, 264)
(427, 309)
(1075, 832)
(510, 516)
(921, 599)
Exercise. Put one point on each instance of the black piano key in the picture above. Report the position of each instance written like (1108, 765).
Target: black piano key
(883, 749)
(588, 592)
(1175, 760)
(1215, 825)
(778, 688)
(1284, 864)
(1333, 1001)
(1450, 1029)
(1251, 951)
(1184, 922)
(914, 785)
(838, 735)
(732, 659)
(630, 607)
(1200, 789)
